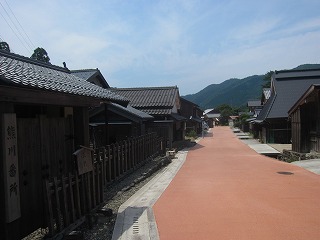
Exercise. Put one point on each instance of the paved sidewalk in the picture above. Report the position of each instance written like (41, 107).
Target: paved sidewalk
(313, 165)
(225, 190)
(135, 219)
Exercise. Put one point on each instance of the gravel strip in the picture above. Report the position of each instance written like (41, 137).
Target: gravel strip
(119, 193)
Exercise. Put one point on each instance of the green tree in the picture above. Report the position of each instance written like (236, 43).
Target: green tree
(40, 54)
(4, 46)
(225, 112)
(267, 79)
(266, 83)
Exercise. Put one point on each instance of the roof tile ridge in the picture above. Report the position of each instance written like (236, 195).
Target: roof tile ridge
(146, 88)
(33, 61)
(84, 70)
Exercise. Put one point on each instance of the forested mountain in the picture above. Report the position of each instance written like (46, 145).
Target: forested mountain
(234, 92)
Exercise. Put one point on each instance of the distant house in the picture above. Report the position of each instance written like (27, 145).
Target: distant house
(123, 123)
(232, 120)
(163, 104)
(305, 121)
(44, 119)
(211, 116)
(91, 75)
(254, 107)
(286, 88)
(110, 123)
(193, 114)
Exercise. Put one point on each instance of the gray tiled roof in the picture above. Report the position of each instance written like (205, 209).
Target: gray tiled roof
(152, 100)
(91, 75)
(196, 119)
(149, 97)
(178, 117)
(254, 103)
(84, 73)
(288, 87)
(304, 97)
(24, 72)
(133, 111)
(157, 111)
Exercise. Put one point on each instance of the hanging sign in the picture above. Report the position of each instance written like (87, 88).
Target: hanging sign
(10, 167)
(84, 160)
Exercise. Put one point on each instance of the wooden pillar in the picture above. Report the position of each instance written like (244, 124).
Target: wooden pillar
(81, 127)
(142, 128)
(106, 129)
(170, 135)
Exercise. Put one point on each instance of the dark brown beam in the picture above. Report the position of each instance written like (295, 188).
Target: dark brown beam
(33, 96)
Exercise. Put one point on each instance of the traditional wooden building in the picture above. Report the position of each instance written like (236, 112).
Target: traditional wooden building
(193, 114)
(91, 75)
(211, 116)
(254, 107)
(120, 123)
(163, 104)
(110, 123)
(286, 88)
(44, 119)
(305, 121)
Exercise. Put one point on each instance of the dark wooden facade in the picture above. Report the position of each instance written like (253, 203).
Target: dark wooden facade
(305, 121)
(48, 110)
(47, 136)
(193, 114)
(112, 123)
(163, 104)
(287, 87)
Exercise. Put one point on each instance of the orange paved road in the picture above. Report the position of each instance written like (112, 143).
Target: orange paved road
(225, 190)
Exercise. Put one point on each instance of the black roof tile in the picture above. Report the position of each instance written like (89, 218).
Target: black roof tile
(152, 100)
(84, 73)
(25, 72)
(287, 88)
(133, 111)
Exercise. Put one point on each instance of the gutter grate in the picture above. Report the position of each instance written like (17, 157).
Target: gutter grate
(135, 225)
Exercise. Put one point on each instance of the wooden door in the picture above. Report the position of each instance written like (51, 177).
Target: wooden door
(45, 147)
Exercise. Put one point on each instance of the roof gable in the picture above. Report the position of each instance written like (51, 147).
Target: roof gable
(91, 75)
(127, 112)
(288, 87)
(254, 103)
(189, 102)
(303, 99)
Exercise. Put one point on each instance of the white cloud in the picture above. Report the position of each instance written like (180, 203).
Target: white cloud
(255, 30)
(187, 43)
(303, 26)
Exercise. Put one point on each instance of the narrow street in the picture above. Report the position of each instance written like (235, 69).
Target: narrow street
(225, 190)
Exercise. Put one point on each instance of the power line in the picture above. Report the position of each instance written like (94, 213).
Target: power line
(17, 35)
(14, 32)
(20, 24)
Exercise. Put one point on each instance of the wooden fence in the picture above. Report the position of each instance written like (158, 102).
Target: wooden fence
(70, 198)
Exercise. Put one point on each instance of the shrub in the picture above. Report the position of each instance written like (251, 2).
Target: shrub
(192, 134)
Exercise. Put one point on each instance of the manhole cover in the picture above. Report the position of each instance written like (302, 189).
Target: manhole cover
(285, 173)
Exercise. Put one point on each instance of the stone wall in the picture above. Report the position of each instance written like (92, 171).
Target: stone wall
(291, 156)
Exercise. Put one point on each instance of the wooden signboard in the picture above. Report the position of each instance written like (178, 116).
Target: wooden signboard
(84, 160)
(10, 167)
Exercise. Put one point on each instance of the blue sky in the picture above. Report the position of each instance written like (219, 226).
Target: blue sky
(187, 43)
